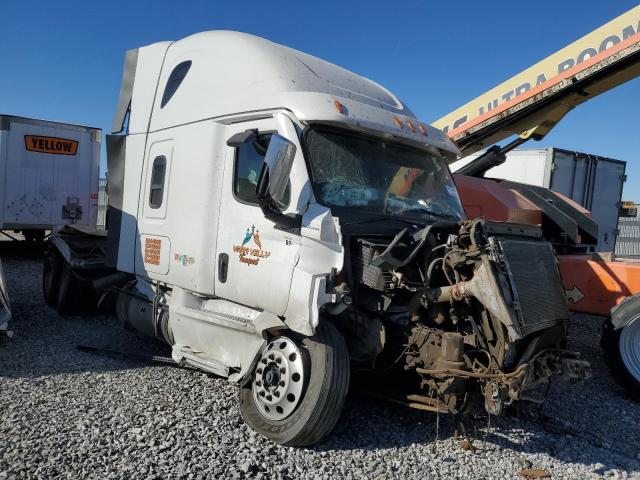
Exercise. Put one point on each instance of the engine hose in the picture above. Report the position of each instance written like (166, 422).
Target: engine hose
(516, 373)
(454, 372)
(444, 267)
(438, 247)
(432, 265)
(425, 235)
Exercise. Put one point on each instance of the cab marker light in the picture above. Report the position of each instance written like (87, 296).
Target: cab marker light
(398, 122)
(410, 125)
(340, 107)
(423, 129)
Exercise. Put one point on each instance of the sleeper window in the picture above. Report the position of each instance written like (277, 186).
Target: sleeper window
(249, 158)
(174, 81)
(156, 189)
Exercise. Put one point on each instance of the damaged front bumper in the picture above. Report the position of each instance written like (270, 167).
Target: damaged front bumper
(560, 365)
(530, 381)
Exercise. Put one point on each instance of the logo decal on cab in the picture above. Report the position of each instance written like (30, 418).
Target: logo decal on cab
(247, 254)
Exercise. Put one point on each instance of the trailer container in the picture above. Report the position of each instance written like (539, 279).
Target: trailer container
(50, 175)
(593, 181)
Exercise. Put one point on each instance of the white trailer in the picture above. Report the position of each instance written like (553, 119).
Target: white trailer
(50, 175)
(593, 181)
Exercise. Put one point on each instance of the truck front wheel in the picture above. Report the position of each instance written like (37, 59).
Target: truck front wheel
(621, 345)
(298, 387)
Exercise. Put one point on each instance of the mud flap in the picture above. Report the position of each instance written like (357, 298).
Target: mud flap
(5, 306)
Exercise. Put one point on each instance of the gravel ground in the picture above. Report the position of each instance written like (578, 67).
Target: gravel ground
(65, 413)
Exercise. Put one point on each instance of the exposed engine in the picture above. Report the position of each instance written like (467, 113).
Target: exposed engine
(473, 312)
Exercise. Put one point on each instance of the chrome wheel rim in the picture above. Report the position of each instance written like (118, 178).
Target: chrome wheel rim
(279, 377)
(630, 347)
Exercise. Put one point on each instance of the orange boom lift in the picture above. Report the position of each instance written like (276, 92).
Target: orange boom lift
(528, 106)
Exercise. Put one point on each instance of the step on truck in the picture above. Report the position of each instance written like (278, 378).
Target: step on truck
(280, 221)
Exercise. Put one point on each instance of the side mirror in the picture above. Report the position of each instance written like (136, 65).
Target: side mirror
(274, 177)
(276, 170)
(273, 182)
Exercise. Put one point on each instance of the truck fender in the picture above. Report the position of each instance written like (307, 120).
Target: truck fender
(63, 248)
(267, 321)
(264, 322)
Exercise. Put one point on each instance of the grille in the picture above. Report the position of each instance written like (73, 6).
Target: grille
(538, 287)
(364, 272)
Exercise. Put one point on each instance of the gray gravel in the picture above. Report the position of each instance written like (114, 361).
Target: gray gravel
(71, 414)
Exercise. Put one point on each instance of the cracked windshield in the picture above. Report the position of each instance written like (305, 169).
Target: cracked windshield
(358, 171)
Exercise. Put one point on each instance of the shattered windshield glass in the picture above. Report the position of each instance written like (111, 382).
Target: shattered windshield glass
(365, 172)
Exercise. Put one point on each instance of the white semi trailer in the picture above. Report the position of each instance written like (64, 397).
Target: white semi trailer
(276, 218)
(593, 181)
(50, 175)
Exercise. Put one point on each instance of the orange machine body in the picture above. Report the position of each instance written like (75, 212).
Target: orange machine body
(592, 284)
(486, 198)
(595, 286)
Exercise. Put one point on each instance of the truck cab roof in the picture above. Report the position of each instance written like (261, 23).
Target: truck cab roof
(223, 74)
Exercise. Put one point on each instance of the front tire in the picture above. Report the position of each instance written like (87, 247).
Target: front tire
(621, 346)
(323, 373)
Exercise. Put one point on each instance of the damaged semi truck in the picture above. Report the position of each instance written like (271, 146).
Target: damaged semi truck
(277, 219)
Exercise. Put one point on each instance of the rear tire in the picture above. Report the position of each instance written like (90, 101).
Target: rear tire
(33, 236)
(66, 291)
(51, 272)
(621, 346)
(325, 385)
(74, 295)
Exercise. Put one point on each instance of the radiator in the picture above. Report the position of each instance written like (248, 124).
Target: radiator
(536, 282)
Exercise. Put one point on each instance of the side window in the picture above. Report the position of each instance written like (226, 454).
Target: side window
(156, 191)
(174, 81)
(248, 165)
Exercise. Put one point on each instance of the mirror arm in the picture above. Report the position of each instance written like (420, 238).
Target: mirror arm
(241, 138)
(270, 210)
(283, 221)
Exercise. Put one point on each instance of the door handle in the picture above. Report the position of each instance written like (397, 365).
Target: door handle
(223, 267)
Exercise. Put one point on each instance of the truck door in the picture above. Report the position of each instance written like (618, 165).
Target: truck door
(255, 260)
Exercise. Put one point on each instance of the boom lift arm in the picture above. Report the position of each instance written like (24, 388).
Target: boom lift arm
(532, 102)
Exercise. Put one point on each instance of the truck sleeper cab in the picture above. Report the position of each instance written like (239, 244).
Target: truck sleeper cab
(278, 218)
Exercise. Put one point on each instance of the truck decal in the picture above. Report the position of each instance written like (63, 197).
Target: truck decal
(245, 253)
(152, 249)
(184, 259)
(55, 145)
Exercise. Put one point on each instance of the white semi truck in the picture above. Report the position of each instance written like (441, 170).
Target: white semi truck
(277, 219)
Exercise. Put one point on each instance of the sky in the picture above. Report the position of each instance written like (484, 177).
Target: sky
(63, 60)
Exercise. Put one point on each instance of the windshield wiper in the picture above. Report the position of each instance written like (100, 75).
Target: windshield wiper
(442, 215)
(379, 218)
(423, 211)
